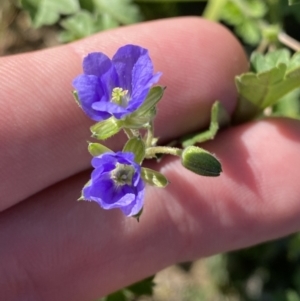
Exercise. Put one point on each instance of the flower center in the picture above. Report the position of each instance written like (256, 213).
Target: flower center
(120, 96)
(122, 174)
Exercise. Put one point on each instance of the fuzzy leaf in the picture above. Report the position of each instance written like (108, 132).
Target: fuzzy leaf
(47, 12)
(244, 16)
(249, 31)
(288, 106)
(261, 63)
(260, 90)
(77, 26)
(232, 14)
(123, 11)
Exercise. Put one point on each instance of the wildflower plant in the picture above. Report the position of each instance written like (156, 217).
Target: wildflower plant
(118, 94)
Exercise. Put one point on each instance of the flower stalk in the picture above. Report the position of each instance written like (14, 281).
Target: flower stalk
(117, 93)
(152, 152)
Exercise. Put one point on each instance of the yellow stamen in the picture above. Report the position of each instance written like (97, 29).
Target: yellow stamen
(119, 96)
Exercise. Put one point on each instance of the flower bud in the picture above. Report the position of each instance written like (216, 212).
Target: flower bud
(200, 162)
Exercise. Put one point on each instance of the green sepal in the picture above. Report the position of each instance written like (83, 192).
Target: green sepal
(107, 128)
(200, 162)
(147, 111)
(96, 149)
(154, 178)
(219, 118)
(137, 146)
(81, 198)
(134, 121)
(154, 96)
(75, 95)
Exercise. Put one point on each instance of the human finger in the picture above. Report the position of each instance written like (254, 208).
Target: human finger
(43, 133)
(78, 251)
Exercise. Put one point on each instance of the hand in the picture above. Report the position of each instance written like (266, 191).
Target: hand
(54, 248)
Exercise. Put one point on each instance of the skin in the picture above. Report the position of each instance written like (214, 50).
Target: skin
(54, 248)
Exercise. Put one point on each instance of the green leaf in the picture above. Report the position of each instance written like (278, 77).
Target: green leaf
(200, 162)
(245, 16)
(107, 128)
(137, 146)
(288, 106)
(107, 22)
(256, 8)
(219, 117)
(123, 11)
(96, 149)
(47, 12)
(261, 63)
(258, 91)
(249, 31)
(80, 25)
(154, 178)
(232, 14)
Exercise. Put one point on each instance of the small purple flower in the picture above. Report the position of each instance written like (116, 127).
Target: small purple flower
(115, 87)
(116, 183)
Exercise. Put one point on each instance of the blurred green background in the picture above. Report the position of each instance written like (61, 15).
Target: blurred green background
(270, 271)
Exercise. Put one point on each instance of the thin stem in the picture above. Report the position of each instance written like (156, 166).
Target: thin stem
(151, 152)
(213, 9)
(289, 41)
(150, 134)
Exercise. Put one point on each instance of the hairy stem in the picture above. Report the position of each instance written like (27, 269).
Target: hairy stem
(151, 152)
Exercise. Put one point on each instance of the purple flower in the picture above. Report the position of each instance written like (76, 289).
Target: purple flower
(115, 87)
(116, 183)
